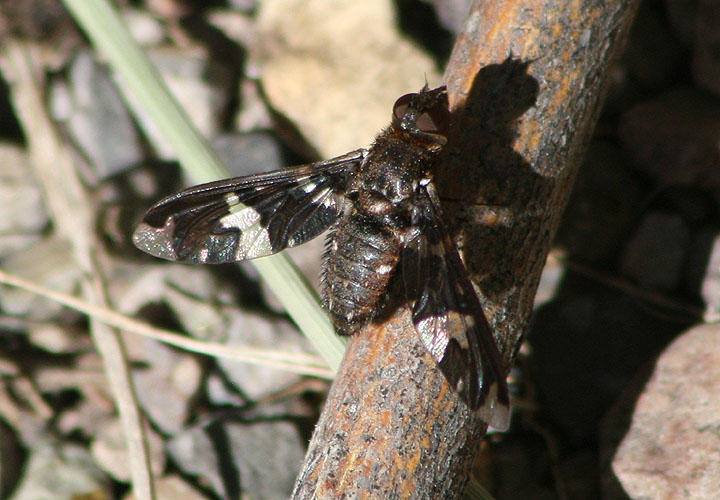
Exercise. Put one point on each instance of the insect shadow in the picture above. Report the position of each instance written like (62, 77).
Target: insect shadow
(479, 173)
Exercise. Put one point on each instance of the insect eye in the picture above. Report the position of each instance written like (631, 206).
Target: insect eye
(433, 121)
(427, 120)
(401, 106)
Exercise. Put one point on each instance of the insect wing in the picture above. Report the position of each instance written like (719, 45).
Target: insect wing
(247, 217)
(448, 316)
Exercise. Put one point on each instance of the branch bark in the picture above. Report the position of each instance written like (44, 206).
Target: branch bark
(526, 81)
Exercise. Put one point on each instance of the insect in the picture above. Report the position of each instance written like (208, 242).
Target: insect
(385, 220)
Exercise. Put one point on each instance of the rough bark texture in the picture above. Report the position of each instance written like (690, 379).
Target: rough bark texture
(526, 80)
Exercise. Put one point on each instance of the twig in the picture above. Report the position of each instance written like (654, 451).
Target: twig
(391, 427)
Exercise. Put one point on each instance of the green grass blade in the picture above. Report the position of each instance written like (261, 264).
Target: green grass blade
(137, 77)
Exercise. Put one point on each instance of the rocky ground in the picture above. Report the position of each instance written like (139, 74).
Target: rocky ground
(616, 386)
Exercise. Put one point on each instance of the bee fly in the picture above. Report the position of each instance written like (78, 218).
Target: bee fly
(385, 217)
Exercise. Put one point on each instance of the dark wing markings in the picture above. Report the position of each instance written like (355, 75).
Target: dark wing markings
(248, 217)
(448, 316)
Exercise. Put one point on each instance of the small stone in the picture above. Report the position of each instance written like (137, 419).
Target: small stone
(672, 449)
(244, 5)
(144, 28)
(97, 118)
(55, 338)
(452, 15)
(200, 87)
(191, 292)
(254, 113)
(655, 256)
(682, 16)
(603, 206)
(550, 280)
(335, 68)
(172, 487)
(55, 470)
(109, 449)
(263, 460)
(220, 393)
(710, 288)
(165, 383)
(252, 330)
(250, 153)
(674, 138)
(653, 56)
(237, 26)
(23, 214)
(49, 263)
(90, 414)
(706, 60)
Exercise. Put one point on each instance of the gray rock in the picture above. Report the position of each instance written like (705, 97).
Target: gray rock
(250, 153)
(202, 88)
(167, 377)
(653, 56)
(710, 288)
(603, 206)
(452, 14)
(172, 487)
(109, 450)
(191, 292)
(49, 263)
(165, 383)
(706, 59)
(674, 138)
(586, 345)
(258, 460)
(256, 381)
(335, 69)
(235, 24)
(96, 118)
(91, 413)
(682, 15)
(145, 29)
(61, 472)
(58, 338)
(219, 393)
(672, 449)
(254, 113)
(11, 456)
(655, 256)
(23, 213)
(244, 5)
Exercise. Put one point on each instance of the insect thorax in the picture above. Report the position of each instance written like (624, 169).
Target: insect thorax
(388, 178)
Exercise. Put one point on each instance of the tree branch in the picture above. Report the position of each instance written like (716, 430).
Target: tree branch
(526, 81)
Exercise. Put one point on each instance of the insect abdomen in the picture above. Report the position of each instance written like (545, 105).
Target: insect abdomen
(359, 260)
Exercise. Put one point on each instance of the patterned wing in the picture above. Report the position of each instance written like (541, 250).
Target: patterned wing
(448, 316)
(248, 217)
